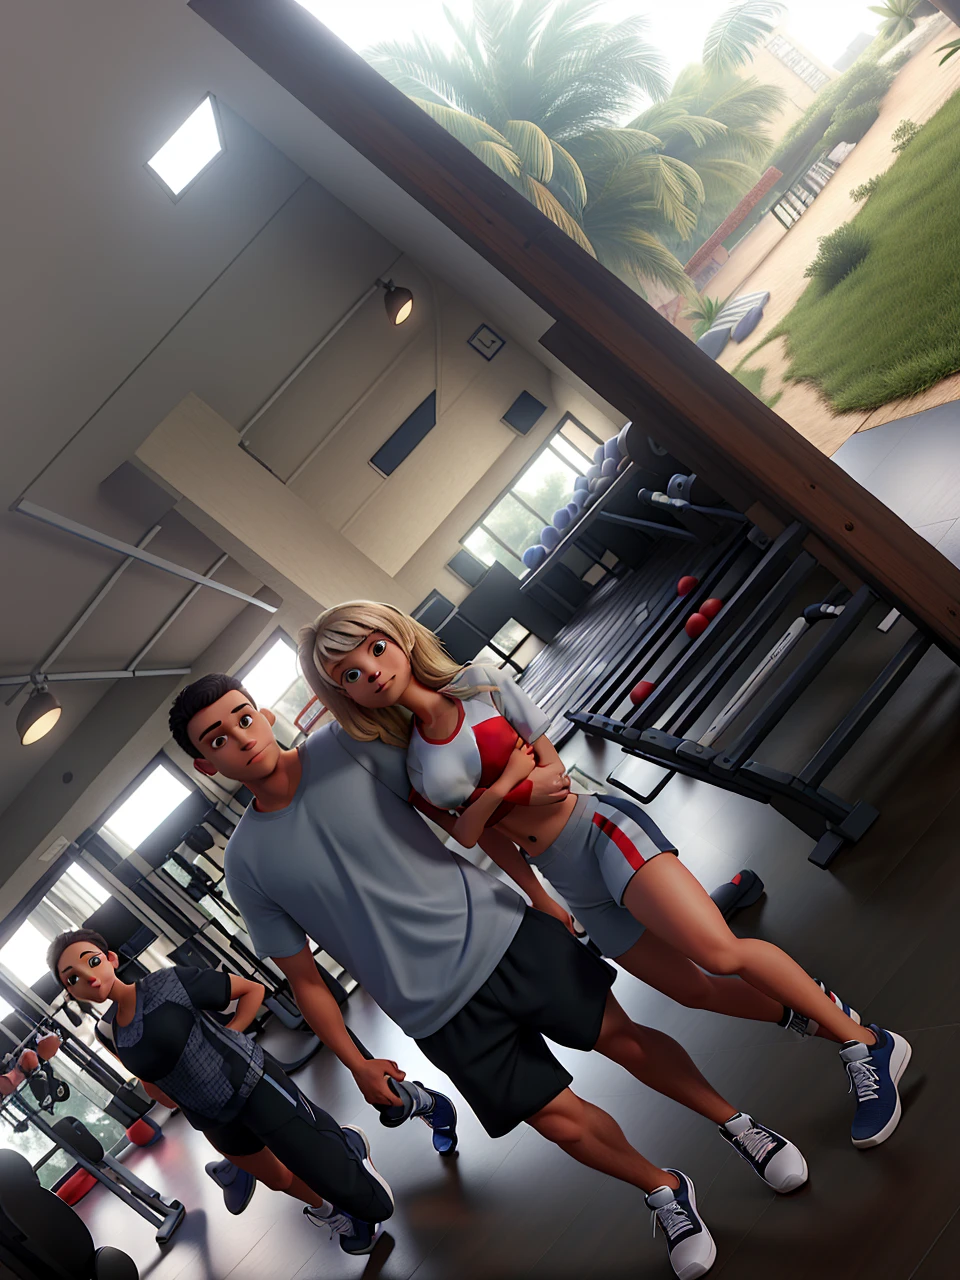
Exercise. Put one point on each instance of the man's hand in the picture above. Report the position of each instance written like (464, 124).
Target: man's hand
(550, 907)
(550, 784)
(371, 1078)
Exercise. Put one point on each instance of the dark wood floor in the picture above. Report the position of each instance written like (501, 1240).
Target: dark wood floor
(881, 927)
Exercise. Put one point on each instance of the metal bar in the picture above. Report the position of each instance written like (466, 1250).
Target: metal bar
(774, 562)
(66, 676)
(866, 709)
(524, 503)
(173, 615)
(839, 631)
(59, 647)
(663, 530)
(695, 700)
(312, 353)
(127, 549)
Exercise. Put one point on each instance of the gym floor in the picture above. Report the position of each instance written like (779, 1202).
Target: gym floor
(879, 927)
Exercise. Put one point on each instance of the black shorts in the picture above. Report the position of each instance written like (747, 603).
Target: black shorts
(547, 984)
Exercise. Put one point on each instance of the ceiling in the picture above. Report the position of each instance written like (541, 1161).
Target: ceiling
(118, 301)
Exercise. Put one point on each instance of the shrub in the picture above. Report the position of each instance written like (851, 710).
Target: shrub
(840, 253)
(850, 126)
(871, 87)
(865, 190)
(801, 142)
(704, 312)
(904, 134)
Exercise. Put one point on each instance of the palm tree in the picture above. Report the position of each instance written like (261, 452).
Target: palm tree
(898, 20)
(704, 311)
(732, 38)
(527, 79)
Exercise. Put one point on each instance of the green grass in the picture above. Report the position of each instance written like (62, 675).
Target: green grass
(892, 327)
(752, 379)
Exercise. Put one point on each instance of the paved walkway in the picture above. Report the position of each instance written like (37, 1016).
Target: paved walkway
(772, 258)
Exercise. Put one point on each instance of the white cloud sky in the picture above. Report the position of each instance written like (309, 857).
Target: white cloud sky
(677, 26)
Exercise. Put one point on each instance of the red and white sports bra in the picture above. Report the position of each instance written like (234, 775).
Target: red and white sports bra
(448, 773)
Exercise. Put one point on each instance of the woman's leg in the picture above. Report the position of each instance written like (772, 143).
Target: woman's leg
(675, 907)
(665, 969)
(266, 1168)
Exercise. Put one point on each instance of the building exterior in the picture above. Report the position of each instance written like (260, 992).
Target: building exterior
(786, 63)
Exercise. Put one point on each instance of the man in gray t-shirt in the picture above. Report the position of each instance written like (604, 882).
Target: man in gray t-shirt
(331, 850)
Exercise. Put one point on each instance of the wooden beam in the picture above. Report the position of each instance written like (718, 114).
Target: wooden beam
(605, 333)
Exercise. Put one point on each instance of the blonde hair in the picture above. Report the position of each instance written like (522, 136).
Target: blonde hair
(338, 631)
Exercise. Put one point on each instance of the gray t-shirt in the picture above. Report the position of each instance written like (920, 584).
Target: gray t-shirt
(352, 865)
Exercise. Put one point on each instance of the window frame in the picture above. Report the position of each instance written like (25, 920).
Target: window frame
(546, 446)
(264, 649)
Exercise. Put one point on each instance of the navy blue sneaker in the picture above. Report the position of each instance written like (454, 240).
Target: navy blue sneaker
(771, 1156)
(874, 1072)
(442, 1119)
(357, 1237)
(237, 1185)
(689, 1243)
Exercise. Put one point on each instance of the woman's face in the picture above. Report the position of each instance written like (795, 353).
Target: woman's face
(86, 972)
(373, 675)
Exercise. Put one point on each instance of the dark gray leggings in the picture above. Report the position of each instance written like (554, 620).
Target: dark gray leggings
(307, 1140)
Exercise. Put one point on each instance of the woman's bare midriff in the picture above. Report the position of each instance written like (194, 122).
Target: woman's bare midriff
(535, 828)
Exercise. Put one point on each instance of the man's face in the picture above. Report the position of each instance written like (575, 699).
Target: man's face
(373, 675)
(236, 738)
(87, 972)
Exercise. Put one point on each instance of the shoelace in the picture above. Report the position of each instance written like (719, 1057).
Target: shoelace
(339, 1223)
(673, 1219)
(865, 1078)
(755, 1143)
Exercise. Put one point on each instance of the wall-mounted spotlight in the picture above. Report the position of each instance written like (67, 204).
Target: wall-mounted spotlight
(398, 301)
(38, 715)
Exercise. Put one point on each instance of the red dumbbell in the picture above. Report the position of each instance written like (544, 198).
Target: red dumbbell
(686, 585)
(696, 625)
(710, 608)
(641, 691)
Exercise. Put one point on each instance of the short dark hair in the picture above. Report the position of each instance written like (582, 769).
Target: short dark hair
(195, 698)
(63, 940)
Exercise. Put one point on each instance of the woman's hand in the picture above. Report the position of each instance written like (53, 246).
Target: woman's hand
(550, 784)
(521, 764)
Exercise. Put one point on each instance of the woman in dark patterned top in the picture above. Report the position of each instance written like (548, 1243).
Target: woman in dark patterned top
(161, 1029)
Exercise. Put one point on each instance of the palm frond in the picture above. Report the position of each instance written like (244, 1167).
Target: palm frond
(568, 183)
(732, 38)
(532, 146)
(499, 157)
(465, 128)
(551, 208)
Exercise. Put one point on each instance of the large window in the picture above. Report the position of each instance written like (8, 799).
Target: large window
(515, 520)
(149, 804)
(273, 680)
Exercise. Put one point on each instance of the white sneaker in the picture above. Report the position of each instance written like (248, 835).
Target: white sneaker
(774, 1159)
(690, 1245)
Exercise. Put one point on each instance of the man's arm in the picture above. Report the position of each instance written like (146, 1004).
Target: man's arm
(323, 1015)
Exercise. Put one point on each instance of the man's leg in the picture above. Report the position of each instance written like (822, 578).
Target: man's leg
(266, 1168)
(594, 1138)
(659, 1062)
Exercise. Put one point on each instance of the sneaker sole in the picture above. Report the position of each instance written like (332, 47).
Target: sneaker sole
(359, 1253)
(899, 1061)
(693, 1270)
(371, 1167)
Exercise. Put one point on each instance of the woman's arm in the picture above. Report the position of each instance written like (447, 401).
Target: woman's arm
(249, 997)
(470, 825)
(158, 1095)
(501, 849)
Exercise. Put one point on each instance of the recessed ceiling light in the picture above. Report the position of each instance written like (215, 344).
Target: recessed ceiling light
(194, 146)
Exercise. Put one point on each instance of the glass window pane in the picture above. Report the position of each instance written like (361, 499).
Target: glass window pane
(25, 954)
(273, 674)
(509, 636)
(585, 441)
(141, 813)
(293, 700)
(547, 485)
(572, 455)
(488, 552)
(491, 659)
(514, 524)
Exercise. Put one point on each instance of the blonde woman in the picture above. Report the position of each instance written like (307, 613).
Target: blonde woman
(473, 739)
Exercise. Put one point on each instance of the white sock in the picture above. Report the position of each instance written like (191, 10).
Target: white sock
(323, 1210)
